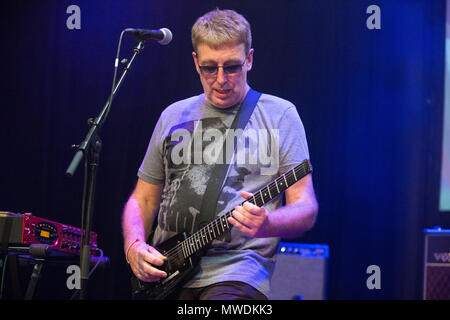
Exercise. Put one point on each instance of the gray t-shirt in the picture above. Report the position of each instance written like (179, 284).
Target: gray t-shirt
(181, 154)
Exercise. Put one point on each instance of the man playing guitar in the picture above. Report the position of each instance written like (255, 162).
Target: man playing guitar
(179, 161)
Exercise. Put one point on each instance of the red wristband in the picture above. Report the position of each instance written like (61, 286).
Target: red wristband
(128, 249)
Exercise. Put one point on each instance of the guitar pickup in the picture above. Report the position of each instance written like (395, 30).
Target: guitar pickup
(170, 277)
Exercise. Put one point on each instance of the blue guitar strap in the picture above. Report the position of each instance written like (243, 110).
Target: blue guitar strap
(220, 170)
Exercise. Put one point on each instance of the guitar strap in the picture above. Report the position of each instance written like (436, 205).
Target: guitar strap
(220, 170)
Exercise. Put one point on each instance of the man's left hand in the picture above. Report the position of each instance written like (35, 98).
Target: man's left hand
(249, 218)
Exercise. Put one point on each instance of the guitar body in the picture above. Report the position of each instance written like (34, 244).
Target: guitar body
(178, 269)
(183, 251)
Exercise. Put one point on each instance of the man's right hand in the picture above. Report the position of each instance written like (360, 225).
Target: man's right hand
(143, 259)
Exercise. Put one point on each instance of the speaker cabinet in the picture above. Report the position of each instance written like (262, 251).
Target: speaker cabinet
(300, 272)
(436, 275)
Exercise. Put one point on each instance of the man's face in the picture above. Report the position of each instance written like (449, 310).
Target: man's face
(223, 89)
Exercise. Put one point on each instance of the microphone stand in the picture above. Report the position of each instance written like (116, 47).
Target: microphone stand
(90, 149)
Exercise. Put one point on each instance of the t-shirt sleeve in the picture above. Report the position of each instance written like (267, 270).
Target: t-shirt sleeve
(152, 167)
(293, 143)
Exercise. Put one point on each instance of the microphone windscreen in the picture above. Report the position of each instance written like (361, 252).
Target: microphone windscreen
(167, 36)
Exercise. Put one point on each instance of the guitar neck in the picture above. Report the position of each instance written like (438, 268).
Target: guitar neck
(220, 225)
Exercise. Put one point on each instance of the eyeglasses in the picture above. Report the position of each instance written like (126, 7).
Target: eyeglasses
(212, 70)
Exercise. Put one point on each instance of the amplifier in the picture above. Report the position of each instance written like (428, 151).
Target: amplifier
(436, 275)
(25, 229)
(300, 272)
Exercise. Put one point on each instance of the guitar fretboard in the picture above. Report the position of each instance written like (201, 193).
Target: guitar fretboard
(220, 225)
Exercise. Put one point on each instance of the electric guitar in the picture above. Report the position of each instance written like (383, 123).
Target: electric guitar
(183, 251)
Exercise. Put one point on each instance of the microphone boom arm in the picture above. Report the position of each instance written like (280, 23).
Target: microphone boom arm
(98, 121)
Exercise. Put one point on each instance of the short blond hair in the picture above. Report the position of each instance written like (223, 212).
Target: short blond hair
(221, 27)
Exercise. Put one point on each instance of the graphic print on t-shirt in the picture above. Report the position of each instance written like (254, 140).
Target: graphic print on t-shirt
(190, 153)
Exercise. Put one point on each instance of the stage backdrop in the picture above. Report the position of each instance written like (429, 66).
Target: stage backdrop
(370, 94)
(445, 173)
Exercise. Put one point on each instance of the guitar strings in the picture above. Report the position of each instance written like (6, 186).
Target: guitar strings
(195, 240)
(177, 253)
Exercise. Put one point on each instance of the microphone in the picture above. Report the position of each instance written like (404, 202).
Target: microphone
(164, 35)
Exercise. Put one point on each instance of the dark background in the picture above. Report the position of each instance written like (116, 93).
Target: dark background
(371, 102)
